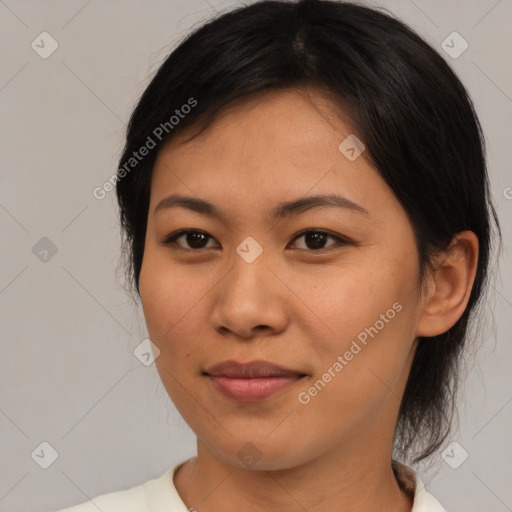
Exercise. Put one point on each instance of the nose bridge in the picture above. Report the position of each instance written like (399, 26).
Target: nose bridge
(249, 273)
(249, 296)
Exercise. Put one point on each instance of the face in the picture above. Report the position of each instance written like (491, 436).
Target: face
(327, 292)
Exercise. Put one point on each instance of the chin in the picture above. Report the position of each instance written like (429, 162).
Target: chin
(260, 454)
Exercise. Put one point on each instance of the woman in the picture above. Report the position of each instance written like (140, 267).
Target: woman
(305, 205)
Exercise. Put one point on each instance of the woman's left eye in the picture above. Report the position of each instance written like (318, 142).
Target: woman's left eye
(314, 240)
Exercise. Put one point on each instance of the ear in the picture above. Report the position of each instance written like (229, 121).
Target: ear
(450, 286)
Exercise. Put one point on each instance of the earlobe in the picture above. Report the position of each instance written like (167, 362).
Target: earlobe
(451, 285)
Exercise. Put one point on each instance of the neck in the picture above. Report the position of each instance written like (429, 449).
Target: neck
(339, 481)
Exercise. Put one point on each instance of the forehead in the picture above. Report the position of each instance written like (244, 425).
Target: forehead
(280, 130)
(297, 116)
(277, 145)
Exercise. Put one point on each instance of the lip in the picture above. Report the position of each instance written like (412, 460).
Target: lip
(251, 382)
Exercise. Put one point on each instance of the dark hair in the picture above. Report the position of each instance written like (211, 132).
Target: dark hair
(415, 118)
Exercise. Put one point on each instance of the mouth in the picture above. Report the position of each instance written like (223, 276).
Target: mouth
(251, 382)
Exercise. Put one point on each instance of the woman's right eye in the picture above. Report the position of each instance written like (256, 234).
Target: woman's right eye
(193, 239)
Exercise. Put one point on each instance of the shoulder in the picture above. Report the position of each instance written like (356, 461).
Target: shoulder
(127, 500)
(145, 497)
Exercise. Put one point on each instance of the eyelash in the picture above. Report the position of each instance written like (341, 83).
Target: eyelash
(170, 241)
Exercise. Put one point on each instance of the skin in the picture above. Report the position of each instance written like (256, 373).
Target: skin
(294, 306)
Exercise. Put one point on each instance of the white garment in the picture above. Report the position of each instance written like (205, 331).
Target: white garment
(160, 495)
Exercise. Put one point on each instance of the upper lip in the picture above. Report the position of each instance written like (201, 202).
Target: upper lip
(250, 370)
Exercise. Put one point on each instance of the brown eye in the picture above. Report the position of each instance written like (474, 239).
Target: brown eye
(192, 239)
(315, 240)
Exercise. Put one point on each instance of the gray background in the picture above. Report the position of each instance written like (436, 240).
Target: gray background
(68, 375)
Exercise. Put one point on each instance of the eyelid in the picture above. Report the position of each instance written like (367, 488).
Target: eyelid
(341, 240)
(170, 240)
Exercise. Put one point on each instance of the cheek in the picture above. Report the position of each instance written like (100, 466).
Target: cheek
(343, 300)
(360, 373)
(367, 313)
(173, 301)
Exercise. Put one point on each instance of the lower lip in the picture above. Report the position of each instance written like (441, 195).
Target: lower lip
(251, 390)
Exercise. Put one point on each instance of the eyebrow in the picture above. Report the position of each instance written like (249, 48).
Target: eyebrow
(282, 210)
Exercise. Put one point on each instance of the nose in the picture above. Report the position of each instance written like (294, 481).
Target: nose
(250, 300)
